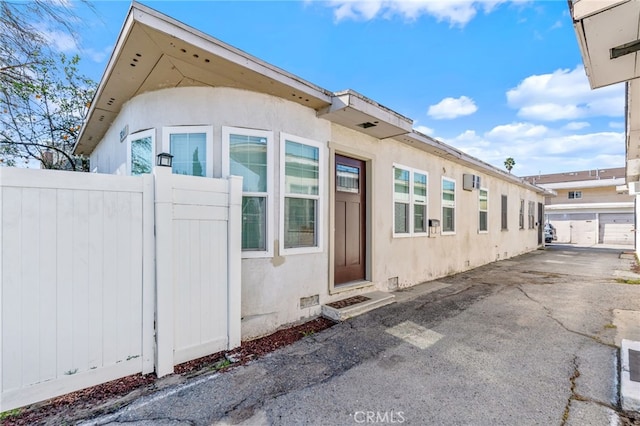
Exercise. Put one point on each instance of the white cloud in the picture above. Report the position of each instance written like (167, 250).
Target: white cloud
(616, 124)
(424, 130)
(450, 108)
(564, 95)
(59, 40)
(509, 132)
(455, 12)
(97, 55)
(540, 149)
(576, 125)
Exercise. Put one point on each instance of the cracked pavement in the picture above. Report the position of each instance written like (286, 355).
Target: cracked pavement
(527, 341)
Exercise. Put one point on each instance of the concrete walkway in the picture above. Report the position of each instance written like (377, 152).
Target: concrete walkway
(526, 341)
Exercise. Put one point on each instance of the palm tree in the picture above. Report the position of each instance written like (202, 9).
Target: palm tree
(509, 163)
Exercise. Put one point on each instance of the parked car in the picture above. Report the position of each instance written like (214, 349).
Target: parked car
(549, 233)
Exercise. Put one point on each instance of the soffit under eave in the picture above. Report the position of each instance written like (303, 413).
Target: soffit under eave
(212, 63)
(135, 60)
(603, 30)
(365, 116)
(149, 60)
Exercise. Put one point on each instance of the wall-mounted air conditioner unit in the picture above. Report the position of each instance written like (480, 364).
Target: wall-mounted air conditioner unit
(634, 188)
(470, 182)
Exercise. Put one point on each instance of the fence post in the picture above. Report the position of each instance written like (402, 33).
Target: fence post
(234, 254)
(164, 270)
(148, 274)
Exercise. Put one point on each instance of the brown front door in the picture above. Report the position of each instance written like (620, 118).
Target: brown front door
(350, 220)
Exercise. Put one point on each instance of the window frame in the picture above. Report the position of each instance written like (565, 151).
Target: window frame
(319, 198)
(207, 130)
(532, 214)
(504, 212)
(521, 215)
(137, 136)
(480, 210)
(574, 195)
(442, 205)
(227, 131)
(411, 203)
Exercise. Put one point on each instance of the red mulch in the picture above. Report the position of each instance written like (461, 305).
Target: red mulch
(64, 408)
(348, 302)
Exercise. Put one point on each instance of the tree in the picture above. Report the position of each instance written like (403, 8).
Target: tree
(23, 34)
(40, 119)
(43, 99)
(509, 163)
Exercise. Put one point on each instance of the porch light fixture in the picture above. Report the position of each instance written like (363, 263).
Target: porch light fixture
(165, 159)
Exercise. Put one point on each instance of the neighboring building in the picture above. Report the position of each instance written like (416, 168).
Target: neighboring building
(341, 196)
(607, 33)
(589, 208)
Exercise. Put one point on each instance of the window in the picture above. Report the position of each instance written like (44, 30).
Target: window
(419, 202)
(191, 147)
(141, 152)
(574, 195)
(401, 199)
(409, 201)
(249, 153)
(521, 215)
(448, 206)
(301, 180)
(532, 214)
(503, 213)
(483, 208)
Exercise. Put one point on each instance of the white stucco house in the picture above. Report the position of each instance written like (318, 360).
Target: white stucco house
(340, 196)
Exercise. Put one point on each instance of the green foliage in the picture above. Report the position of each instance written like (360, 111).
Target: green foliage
(509, 163)
(40, 118)
(5, 415)
(628, 281)
(221, 364)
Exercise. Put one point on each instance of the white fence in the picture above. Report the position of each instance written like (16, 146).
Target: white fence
(84, 278)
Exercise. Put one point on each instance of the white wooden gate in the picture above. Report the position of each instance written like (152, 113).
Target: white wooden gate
(83, 278)
(198, 265)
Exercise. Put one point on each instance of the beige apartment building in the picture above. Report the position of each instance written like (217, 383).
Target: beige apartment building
(590, 206)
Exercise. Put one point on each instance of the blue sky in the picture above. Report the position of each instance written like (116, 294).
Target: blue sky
(495, 79)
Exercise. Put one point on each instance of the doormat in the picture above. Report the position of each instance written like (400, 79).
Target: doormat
(348, 302)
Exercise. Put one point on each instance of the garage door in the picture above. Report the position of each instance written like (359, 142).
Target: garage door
(616, 228)
(583, 232)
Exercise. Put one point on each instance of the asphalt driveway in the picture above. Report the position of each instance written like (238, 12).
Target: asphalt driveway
(527, 341)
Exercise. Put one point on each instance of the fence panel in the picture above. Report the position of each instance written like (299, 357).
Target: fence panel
(105, 276)
(71, 265)
(200, 222)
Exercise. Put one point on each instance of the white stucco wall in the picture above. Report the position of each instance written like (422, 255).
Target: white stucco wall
(272, 287)
(417, 259)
